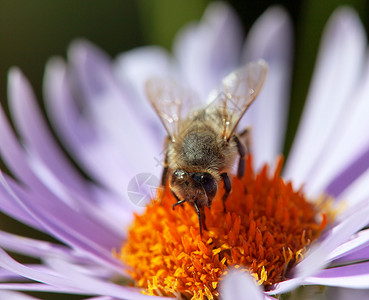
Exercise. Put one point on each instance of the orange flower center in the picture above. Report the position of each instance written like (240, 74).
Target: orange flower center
(264, 230)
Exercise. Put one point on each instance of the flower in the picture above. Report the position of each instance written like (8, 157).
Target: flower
(99, 113)
(263, 228)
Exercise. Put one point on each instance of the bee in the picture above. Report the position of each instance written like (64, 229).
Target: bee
(202, 145)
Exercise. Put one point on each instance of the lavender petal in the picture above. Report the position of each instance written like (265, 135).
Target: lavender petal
(70, 279)
(38, 141)
(270, 38)
(207, 51)
(107, 111)
(357, 243)
(351, 276)
(335, 77)
(239, 285)
(66, 225)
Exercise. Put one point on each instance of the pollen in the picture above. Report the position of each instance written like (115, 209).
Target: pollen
(264, 228)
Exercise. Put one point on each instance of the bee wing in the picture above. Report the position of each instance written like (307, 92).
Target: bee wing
(171, 101)
(236, 93)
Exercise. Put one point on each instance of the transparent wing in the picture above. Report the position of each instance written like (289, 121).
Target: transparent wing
(171, 101)
(236, 93)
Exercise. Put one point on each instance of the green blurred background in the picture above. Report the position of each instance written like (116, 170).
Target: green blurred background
(31, 31)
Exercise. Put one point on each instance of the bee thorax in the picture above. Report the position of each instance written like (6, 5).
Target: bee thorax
(201, 149)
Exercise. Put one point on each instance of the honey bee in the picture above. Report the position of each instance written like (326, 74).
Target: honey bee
(202, 146)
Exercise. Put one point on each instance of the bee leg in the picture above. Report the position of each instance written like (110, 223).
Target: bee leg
(164, 175)
(242, 152)
(201, 217)
(245, 137)
(179, 202)
(227, 187)
(164, 178)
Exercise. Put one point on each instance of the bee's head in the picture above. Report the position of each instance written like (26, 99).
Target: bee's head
(200, 187)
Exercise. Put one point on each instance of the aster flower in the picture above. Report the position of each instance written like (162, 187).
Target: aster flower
(100, 114)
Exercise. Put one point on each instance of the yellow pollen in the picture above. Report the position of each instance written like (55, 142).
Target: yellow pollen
(265, 229)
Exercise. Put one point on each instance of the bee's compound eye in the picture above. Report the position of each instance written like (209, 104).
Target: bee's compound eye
(208, 182)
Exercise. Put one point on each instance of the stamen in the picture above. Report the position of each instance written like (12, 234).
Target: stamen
(265, 229)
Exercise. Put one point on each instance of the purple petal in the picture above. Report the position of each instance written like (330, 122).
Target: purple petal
(6, 276)
(15, 296)
(12, 209)
(351, 276)
(239, 285)
(93, 152)
(69, 279)
(15, 158)
(36, 287)
(101, 298)
(335, 78)
(358, 244)
(14, 155)
(349, 175)
(94, 285)
(356, 193)
(97, 154)
(285, 286)
(110, 211)
(355, 256)
(345, 159)
(209, 50)
(36, 248)
(65, 224)
(39, 207)
(18, 278)
(64, 114)
(133, 69)
(105, 107)
(19, 161)
(46, 161)
(270, 38)
(319, 255)
(29, 272)
(57, 171)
